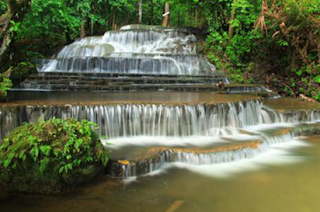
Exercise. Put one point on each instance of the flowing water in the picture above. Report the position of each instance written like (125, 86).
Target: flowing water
(269, 185)
(168, 51)
(171, 151)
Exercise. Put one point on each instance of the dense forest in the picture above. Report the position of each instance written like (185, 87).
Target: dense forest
(275, 42)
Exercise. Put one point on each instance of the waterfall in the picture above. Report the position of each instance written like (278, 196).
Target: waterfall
(236, 151)
(136, 58)
(161, 52)
(136, 64)
(158, 120)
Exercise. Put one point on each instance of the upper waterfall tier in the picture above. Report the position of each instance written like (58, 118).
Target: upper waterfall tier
(134, 64)
(147, 50)
(137, 41)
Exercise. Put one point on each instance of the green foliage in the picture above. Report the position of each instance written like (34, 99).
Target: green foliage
(48, 21)
(5, 85)
(21, 71)
(233, 39)
(280, 39)
(3, 7)
(55, 146)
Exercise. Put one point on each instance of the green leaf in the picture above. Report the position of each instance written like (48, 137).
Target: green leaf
(61, 169)
(34, 152)
(7, 162)
(317, 79)
(299, 72)
(69, 166)
(45, 149)
(43, 164)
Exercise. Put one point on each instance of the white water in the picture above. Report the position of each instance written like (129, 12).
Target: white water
(278, 155)
(273, 150)
(116, 121)
(144, 42)
(168, 52)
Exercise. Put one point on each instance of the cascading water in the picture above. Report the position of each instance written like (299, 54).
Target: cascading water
(156, 56)
(154, 125)
(158, 120)
(166, 51)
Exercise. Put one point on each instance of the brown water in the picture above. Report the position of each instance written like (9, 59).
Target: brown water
(279, 188)
(94, 98)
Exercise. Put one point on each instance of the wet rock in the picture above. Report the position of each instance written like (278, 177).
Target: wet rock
(154, 158)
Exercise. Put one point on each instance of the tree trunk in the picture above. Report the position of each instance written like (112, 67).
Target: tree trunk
(166, 15)
(68, 37)
(114, 24)
(15, 13)
(94, 9)
(92, 27)
(108, 19)
(83, 32)
(231, 30)
(140, 11)
(233, 15)
(151, 12)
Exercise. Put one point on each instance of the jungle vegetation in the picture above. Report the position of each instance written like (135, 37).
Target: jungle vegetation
(51, 156)
(276, 42)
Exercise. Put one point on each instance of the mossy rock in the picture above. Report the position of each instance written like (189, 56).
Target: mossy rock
(51, 157)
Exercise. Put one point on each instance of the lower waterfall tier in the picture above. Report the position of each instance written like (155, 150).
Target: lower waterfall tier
(127, 120)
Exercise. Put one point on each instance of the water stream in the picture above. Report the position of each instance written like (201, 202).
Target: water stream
(193, 151)
(284, 183)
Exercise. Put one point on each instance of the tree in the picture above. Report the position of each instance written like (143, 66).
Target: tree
(140, 11)
(166, 15)
(151, 12)
(9, 23)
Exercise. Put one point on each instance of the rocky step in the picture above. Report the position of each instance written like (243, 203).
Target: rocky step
(136, 87)
(228, 150)
(119, 80)
(154, 158)
(107, 75)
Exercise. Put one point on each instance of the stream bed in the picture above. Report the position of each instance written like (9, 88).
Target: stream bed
(286, 183)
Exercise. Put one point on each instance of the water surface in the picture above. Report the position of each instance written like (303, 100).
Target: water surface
(273, 187)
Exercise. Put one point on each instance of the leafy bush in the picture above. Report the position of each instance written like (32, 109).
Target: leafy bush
(233, 41)
(5, 85)
(47, 157)
(263, 39)
(21, 71)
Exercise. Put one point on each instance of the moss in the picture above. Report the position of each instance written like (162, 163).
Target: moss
(51, 157)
